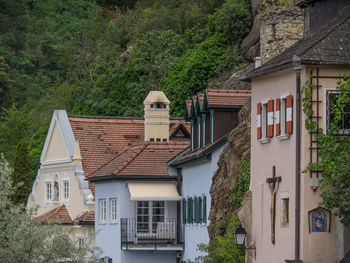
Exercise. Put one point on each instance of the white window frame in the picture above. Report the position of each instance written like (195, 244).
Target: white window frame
(264, 138)
(64, 198)
(283, 117)
(113, 203)
(46, 182)
(78, 239)
(102, 210)
(150, 212)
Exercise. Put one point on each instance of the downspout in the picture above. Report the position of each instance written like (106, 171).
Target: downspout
(297, 68)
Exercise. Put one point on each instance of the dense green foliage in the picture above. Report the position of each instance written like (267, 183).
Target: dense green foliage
(241, 185)
(23, 239)
(102, 58)
(21, 175)
(223, 249)
(334, 153)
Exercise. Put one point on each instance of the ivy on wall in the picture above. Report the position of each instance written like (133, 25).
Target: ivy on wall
(334, 151)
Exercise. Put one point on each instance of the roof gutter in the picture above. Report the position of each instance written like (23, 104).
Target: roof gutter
(297, 68)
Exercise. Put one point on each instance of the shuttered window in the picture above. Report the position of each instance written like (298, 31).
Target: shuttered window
(204, 217)
(184, 211)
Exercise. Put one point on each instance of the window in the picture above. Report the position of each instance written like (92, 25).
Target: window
(113, 202)
(264, 121)
(80, 240)
(48, 191)
(284, 116)
(65, 190)
(344, 124)
(194, 210)
(102, 211)
(149, 213)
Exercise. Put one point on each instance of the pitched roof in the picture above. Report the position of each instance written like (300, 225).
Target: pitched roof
(227, 98)
(330, 45)
(140, 159)
(186, 128)
(59, 214)
(187, 156)
(101, 138)
(200, 100)
(85, 218)
(188, 108)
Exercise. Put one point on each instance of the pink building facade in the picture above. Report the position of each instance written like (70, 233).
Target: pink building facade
(281, 148)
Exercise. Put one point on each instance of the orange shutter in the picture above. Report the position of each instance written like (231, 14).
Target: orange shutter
(278, 116)
(258, 121)
(270, 118)
(289, 115)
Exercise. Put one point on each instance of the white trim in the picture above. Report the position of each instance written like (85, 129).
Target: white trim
(56, 161)
(283, 137)
(63, 180)
(264, 140)
(111, 221)
(265, 100)
(101, 220)
(284, 95)
(46, 200)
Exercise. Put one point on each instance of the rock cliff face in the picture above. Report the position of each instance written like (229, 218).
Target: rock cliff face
(228, 170)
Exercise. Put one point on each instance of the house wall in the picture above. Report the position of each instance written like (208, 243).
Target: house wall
(224, 121)
(314, 247)
(319, 247)
(75, 204)
(263, 156)
(197, 179)
(108, 236)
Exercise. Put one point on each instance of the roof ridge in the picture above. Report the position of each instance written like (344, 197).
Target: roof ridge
(111, 159)
(127, 162)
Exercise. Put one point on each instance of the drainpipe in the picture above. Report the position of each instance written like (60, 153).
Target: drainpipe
(297, 68)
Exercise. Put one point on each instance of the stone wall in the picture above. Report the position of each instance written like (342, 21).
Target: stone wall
(280, 28)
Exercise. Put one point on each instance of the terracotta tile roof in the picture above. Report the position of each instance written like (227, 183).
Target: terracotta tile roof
(227, 98)
(141, 159)
(201, 100)
(199, 152)
(101, 138)
(85, 218)
(176, 127)
(59, 214)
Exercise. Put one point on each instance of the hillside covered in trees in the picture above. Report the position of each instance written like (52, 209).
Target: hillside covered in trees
(102, 58)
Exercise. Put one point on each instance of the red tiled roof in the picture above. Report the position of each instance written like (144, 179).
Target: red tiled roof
(85, 218)
(141, 159)
(201, 100)
(188, 105)
(102, 138)
(59, 214)
(175, 128)
(227, 98)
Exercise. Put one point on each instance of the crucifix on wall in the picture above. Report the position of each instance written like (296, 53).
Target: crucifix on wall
(273, 183)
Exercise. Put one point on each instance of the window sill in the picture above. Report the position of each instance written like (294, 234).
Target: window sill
(283, 137)
(264, 141)
(102, 223)
(113, 223)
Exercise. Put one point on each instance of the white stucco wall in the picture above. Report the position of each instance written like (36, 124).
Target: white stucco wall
(108, 236)
(197, 179)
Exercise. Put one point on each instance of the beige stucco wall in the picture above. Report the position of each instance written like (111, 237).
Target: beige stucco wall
(56, 149)
(314, 247)
(75, 204)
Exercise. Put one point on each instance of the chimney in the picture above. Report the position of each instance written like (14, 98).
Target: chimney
(156, 108)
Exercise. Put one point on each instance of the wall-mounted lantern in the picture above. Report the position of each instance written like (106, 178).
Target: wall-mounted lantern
(240, 234)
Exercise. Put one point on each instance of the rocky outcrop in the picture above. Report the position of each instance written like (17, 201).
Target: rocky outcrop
(229, 164)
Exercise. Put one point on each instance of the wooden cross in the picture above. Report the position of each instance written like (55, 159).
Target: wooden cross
(273, 183)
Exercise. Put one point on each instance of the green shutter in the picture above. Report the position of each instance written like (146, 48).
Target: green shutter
(109, 260)
(204, 209)
(200, 205)
(188, 221)
(191, 210)
(183, 210)
(195, 209)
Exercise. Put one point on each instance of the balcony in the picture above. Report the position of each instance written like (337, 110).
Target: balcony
(151, 235)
